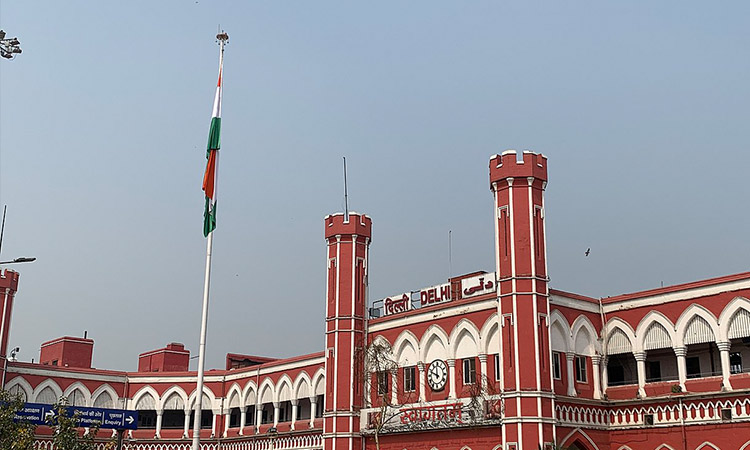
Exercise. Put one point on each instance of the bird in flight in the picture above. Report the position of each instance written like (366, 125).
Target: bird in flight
(588, 250)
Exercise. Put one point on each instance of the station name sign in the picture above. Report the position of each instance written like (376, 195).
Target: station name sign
(478, 285)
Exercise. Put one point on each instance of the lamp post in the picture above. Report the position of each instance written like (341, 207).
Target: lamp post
(22, 259)
(9, 47)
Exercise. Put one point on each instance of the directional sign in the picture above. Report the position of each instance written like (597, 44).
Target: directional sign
(120, 419)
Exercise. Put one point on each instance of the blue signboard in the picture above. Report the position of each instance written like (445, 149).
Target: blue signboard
(120, 419)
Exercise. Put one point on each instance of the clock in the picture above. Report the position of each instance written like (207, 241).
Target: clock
(437, 375)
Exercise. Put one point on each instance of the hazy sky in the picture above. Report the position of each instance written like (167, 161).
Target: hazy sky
(641, 107)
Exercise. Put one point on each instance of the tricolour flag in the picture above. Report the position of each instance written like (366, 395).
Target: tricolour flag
(212, 155)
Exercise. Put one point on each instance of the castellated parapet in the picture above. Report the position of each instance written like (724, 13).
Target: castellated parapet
(359, 224)
(507, 165)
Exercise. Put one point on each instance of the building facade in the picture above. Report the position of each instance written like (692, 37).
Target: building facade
(485, 361)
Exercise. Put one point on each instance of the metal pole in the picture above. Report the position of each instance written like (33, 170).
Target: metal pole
(118, 446)
(204, 316)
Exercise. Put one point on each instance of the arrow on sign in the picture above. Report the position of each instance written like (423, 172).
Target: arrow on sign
(129, 419)
(49, 415)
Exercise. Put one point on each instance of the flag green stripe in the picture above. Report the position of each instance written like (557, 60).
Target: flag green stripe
(209, 218)
(214, 140)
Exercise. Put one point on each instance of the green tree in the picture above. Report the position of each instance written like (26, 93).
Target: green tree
(67, 435)
(14, 435)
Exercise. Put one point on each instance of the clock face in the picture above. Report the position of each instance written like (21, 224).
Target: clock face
(437, 375)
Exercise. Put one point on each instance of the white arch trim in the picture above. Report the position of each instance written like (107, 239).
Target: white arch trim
(645, 323)
(173, 390)
(211, 399)
(583, 322)
(141, 392)
(687, 316)
(438, 333)
(250, 387)
(23, 385)
(108, 389)
(406, 337)
(727, 314)
(303, 379)
(462, 328)
(582, 433)
(318, 380)
(284, 380)
(706, 445)
(47, 383)
(490, 326)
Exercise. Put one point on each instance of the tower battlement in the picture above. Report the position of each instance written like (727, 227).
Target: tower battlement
(507, 165)
(9, 279)
(359, 224)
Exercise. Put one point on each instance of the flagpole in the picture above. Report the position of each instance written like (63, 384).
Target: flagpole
(222, 37)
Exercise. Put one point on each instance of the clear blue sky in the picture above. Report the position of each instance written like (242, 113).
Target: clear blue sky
(641, 107)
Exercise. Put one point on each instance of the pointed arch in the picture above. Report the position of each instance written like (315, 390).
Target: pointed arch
(47, 392)
(746, 446)
(250, 394)
(624, 447)
(489, 337)
(102, 394)
(434, 344)
(584, 335)
(578, 435)
(266, 392)
(647, 330)
(145, 399)
(207, 402)
(302, 386)
(234, 394)
(620, 337)
(406, 348)
(319, 383)
(739, 307)
(174, 398)
(283, 389)
(464, 339)
(664, 447)
(78, 394)
(21, 386)
(687, 319)
(561, 336)
(706, 446)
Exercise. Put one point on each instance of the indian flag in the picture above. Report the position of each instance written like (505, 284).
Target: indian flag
(212, 155)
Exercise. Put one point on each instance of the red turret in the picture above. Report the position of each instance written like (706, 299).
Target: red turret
(523, 305)
(8, 288)
(346, 298)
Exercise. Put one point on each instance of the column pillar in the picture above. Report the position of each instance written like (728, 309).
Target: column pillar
(159, 414)
(483, 370)
(681, 352)
(313, 409)
(452, 378)
(187, 423)
(227, 419)
(725, 369)
(275, 413)
(605, 375)
(243, 418)
(422, 383)
(640, 360)
(595, 362)
(295, 403)
(570, 357)
(213, 424)
(258, 417)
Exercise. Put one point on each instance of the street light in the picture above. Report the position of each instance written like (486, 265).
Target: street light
(22, 259)
(10, 47)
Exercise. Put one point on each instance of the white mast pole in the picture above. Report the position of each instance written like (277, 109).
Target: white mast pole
(222, 37)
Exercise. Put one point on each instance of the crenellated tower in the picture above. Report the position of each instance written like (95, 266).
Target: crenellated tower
(523, 299)
(348, 241)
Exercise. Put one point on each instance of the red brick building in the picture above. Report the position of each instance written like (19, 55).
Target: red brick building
(485, 361)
